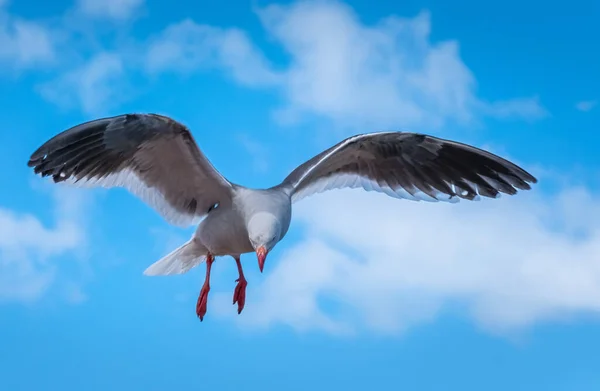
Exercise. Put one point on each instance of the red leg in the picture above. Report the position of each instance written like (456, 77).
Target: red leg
(203, 297)
(239, 295)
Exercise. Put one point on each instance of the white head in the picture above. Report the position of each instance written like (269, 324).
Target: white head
(264, 231)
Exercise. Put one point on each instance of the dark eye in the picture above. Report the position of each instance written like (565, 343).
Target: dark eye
(212, 207)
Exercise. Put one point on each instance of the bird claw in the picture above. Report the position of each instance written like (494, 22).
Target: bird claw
(239, 294)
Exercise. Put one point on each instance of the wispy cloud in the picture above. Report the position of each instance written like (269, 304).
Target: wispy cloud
(521, 108)
(586, 105)
(187, 47)
(110, 9)
(386, 74)
(23, 43)
(30, 249)
(389, 73)
(96, 86)
(384, 265)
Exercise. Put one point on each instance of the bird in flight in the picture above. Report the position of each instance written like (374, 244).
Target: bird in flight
(157, 159)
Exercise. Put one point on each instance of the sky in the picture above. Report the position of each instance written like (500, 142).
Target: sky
(365, 291)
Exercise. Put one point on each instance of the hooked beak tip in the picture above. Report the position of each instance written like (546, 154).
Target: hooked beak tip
(261, 254)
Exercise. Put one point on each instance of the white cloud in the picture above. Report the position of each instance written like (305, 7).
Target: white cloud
(386, 74)
(390, 73)
(388, 264)
(110, 9)
(586, 105)
(31, 250)
(381, 75)
(96, 86)
(24, 43)
(186, 46)
(526, 108)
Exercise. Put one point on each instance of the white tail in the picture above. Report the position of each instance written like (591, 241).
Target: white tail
(179, 261)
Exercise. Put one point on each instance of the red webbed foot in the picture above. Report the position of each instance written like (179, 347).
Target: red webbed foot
(239, 294)
(203, 296)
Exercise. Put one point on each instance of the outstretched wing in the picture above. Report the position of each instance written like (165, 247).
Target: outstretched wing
(408, 165)
(154, 157)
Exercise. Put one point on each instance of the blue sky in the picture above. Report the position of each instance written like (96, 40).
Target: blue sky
(496, 295)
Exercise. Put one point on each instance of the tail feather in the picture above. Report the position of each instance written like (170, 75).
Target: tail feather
(179, 261)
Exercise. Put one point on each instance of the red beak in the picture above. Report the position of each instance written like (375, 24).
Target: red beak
(261, 253)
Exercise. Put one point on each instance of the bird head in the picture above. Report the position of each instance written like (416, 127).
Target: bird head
(264, 232)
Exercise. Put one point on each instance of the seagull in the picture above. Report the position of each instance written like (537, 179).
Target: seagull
(157, 159)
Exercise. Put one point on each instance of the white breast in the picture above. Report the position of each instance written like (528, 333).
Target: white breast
(223, 232)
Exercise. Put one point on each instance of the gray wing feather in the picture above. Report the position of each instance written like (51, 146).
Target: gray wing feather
(153, 156)
(408, 165)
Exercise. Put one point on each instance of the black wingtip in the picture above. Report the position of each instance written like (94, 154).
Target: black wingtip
(37, 156)
(532, 179)
(527, 179)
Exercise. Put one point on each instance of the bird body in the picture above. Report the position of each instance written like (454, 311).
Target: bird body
(157, 159)
(226, 230)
